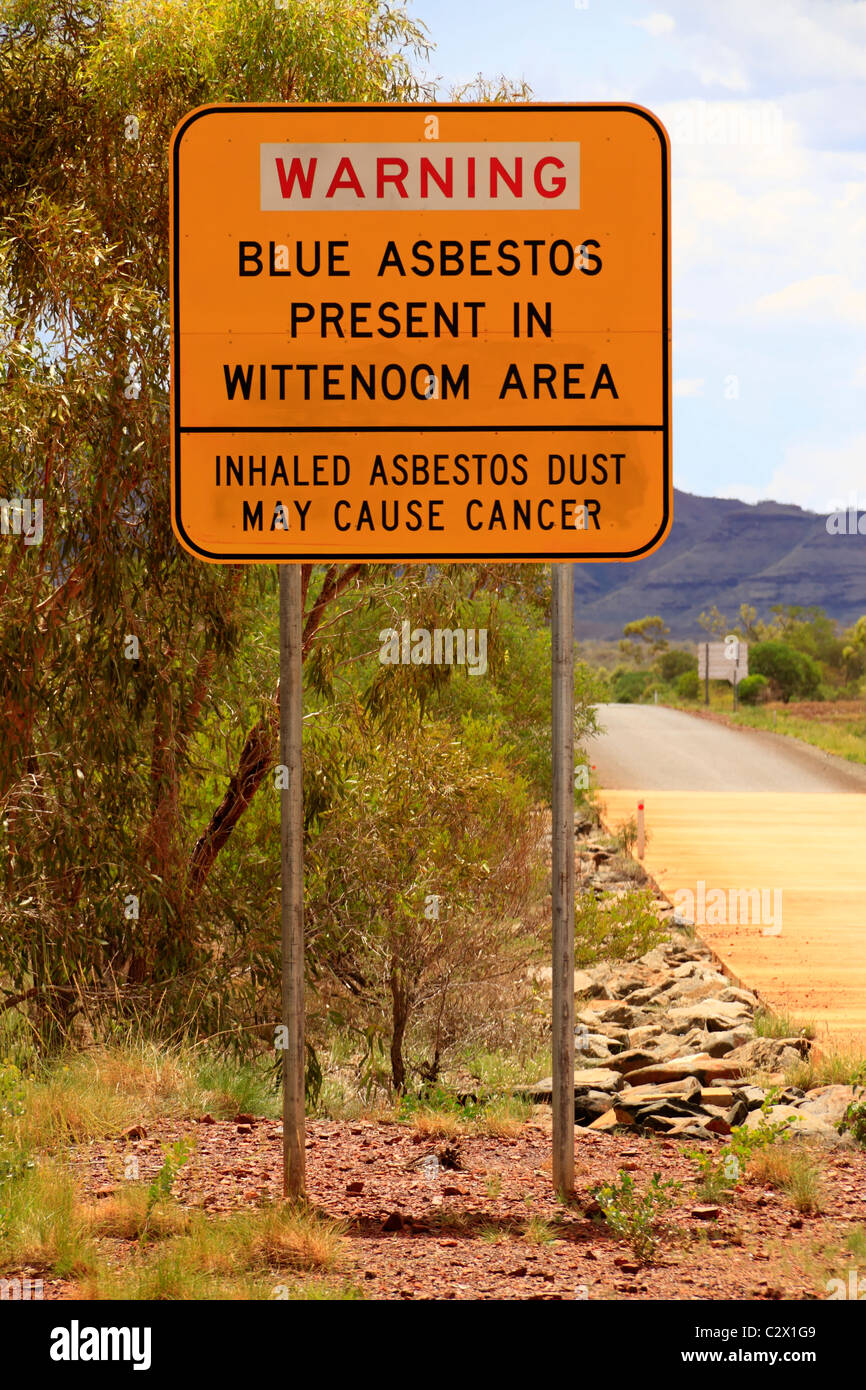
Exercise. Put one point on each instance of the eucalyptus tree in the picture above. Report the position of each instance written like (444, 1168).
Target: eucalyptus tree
(115, 642)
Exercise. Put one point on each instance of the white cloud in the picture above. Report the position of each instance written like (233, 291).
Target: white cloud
(818, 299)
(656, 24)
(813, 475)
(689, 386)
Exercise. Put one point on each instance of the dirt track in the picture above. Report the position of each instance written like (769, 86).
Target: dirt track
(742, 811)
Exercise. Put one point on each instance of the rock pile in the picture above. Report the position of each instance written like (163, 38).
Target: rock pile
(666, 1043)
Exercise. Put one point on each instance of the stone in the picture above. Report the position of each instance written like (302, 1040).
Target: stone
(584, 983)
(829, 1103)
(656, 959)
(623, 985)
(686, 1090)
(685, 1128)
(647, 995)
(590, 1105)
(592, 1021)
(754, 1096)
(616, 1012)
(639, 1037)
(611, 1118)
(733, 995)
(589, 1079)
(634, 1058)
(594, 1046)
(711, 1014)
(800, 1125)
(770, 1054)
(717, 1095)
(691, 991)
(718, 1124)
(720, 1044)
(705, 1069)
(706, 1213)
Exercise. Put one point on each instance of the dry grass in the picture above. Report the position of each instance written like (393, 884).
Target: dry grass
(296, 1238)
(830, 1066)
(438, 1124)
(793, 1170)
(538, 1231)
(129, 1215)
(44, 1226)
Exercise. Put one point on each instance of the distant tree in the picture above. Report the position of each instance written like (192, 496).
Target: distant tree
(688, 685)
(714, 623)
(645, 638)
(751, 689)
(627, 687)
(854, 650)
(675, 663)
(790, 672)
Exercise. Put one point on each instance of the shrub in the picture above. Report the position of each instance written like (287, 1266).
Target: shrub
(617, 928)
(854, 1121)
(676, 663)
(751, 689)
(688, 685)
(790, 672)
(627, 687)
(633, 1215)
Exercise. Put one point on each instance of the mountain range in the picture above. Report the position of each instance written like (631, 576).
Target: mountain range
(725, 552)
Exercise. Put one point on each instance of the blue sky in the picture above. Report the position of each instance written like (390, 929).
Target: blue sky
(765, 102)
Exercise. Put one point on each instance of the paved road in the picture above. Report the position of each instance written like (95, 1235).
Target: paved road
(653, 748)
(756, 814)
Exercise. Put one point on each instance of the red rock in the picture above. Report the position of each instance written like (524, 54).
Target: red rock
(706, 1213)
(354, 1189)
(611, 1118)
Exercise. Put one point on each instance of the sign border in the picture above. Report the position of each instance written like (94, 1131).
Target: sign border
(599, 557)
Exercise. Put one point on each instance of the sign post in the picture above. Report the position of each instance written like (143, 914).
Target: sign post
(412, 334)
(292, 881)
(723, 661)
(562, 1031)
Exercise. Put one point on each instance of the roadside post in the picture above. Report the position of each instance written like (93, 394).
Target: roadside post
(432, 333)
(562, 852)
(723, 661)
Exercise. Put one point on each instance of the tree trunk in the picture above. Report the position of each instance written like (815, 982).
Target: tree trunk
(399, 1019)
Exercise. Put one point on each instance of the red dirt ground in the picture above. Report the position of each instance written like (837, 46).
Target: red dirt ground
(757, 1247)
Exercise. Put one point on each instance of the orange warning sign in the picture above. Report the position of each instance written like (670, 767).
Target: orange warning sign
(420, 332)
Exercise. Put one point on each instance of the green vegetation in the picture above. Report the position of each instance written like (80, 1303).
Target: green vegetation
(614, 927)
(633, 1215)
(138, 781)
(807, 677)
(720, 1172)
(853, 1122)
(751, 689)
(788, 671)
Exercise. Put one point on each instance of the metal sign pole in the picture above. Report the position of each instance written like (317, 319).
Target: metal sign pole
(292, 878)
(563, 878)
